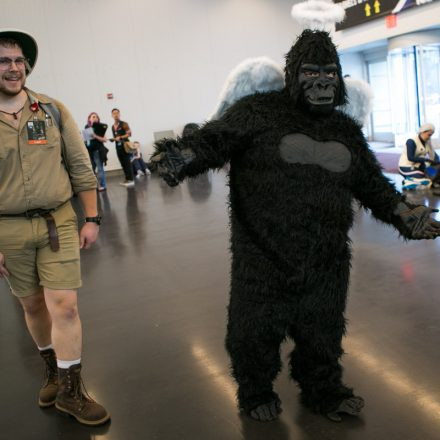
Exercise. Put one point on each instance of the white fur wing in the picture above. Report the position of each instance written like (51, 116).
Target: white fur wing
(251, 76)
(360, 99)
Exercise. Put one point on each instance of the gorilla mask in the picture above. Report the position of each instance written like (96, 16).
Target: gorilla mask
(319, 85)
(313, 73)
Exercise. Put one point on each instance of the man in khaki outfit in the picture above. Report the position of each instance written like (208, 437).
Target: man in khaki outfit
(40, 169)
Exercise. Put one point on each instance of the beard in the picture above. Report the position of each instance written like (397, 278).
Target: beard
(8, 89)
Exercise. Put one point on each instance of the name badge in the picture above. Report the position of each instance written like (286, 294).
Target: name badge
(36, 131)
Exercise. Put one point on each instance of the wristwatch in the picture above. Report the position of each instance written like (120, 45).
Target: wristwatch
(96, 219)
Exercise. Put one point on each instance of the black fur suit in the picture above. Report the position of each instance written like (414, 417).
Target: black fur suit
(293, 177)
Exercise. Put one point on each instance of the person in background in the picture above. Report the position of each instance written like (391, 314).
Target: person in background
(121, 133)
(417, 159)
(39, 240)
(139, 166)
(95, 146)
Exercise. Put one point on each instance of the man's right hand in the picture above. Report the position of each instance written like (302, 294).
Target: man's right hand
(3, 270)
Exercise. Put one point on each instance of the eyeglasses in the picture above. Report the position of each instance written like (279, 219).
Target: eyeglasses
(20, 62)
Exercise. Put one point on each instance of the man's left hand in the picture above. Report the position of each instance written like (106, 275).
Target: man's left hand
(88, 235)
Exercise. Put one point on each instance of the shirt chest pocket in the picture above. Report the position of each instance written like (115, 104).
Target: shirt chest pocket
(46, 139)
(46, 150)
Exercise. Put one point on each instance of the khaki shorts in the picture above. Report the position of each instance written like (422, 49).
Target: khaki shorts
(30, 261)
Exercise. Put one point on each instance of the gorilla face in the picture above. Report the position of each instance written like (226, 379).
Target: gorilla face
(319, 85)
(314, 78)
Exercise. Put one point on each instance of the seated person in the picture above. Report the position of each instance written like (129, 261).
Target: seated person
(139, 166)
(417, 158)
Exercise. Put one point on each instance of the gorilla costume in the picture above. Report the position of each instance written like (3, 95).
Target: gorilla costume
(296, 165)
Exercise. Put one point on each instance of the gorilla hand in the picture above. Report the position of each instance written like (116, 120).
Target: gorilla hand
(415, 221)
(171, 161)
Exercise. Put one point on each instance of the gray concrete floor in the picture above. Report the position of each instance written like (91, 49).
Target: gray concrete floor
(153, 308)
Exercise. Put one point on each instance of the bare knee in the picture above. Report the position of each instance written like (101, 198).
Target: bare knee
(62, 305)
(64, 310)
(34, 304)
(67, 312)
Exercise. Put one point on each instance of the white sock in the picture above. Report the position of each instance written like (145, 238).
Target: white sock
(45, 348)
(67, 364)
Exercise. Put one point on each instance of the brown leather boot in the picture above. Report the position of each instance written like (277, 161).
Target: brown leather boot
(49, 389)
(72, 398)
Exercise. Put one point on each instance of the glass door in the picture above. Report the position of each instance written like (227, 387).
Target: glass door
(381, 121)
(428, 69)
(404, 91)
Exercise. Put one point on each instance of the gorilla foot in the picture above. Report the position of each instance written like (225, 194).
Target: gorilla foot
(350, 405)
(266, 412)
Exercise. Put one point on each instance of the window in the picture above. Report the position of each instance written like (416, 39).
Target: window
(429, 85)
(403, 88)
(381, 121)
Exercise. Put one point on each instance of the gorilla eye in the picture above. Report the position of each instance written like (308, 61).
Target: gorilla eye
(311, 73)
(331, 74)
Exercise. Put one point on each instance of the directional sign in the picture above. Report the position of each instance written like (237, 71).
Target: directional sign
(362, 11)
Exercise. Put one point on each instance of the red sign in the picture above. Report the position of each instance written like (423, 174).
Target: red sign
(391, 21)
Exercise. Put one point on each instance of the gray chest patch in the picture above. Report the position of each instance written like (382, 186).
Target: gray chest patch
(331, 155)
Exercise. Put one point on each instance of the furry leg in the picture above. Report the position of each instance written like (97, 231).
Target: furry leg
(254, 348)
(314, 362)
(320, 380)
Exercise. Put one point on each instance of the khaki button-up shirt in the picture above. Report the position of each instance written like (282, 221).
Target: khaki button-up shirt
(33, 175)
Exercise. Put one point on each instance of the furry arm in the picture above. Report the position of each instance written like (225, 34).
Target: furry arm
(209, 147)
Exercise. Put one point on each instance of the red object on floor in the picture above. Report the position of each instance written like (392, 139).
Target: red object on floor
(408, 271)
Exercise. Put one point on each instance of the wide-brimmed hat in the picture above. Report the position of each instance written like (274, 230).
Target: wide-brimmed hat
(27, 43)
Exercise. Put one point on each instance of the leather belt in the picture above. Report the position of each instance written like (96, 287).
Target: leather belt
(50, 221)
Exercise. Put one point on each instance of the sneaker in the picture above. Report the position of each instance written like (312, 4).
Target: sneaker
(418, 180)
(127, 183)
(408, 185)
(102, 188)
(424, 182)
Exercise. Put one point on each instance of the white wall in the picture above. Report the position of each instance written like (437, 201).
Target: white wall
(164, 60)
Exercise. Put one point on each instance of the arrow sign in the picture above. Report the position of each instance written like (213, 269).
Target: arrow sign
(367, 10)
(376, 7)
(362, 11)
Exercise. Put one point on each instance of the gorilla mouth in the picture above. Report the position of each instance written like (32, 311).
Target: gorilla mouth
(320, 100)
